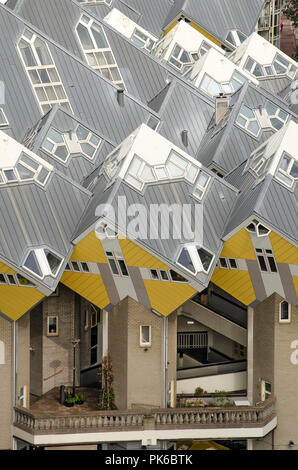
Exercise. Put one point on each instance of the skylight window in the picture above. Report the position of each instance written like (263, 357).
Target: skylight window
(254, 67)
(42, 72)
(195, 259)
(202, 185)
(257, 228)
(179, 58)
(97, 50)
(248, 121)
(213, 88)
(55, 144)
(27, 169)
(89, 142)
(287, 171)
(3, 119)
(276, 115)
(142, 40)
(235, 38)
(43, 262)
(283, 66)
(153, 123)
(237, 80)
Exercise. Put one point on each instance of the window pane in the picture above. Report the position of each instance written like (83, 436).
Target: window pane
(177, 277)
(123, 267)
(24, 172)
(145, 334)
(27, 54)
(185, 260)
(272, 264)
(223, 263)
(42, 52)
(284, 311)
(32, 264)
(253, 127)
(99, 37)
(53, 260)
(205, 257)
(262, 263)
(154, 274)
(113, 266)
(85, 37)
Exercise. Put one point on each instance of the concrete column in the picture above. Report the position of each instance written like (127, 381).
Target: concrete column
(250, 345)
(105, 332)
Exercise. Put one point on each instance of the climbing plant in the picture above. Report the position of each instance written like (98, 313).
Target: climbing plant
(106, 392)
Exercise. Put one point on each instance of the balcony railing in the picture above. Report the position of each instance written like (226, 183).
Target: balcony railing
(141, 420)
(192, 340)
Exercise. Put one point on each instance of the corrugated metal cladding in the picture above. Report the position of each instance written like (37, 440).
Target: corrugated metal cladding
(275, 85)
(220, 16)
(93, 98)
(185, 109)
(39, 216)
(279, 206)
(143, 75)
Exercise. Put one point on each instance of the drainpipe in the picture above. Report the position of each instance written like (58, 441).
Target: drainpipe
(165, 342)
(273, 19)
(14, 375)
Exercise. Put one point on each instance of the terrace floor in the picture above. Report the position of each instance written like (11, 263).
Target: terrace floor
(49, 403)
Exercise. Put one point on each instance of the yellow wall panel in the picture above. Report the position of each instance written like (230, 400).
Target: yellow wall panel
(239, 246)
(16, 301)
(89, 286)
(284, 252)
(165, 297)
(5, 269)
(169, 28)
(236, 283)
(207, 35)
(89, 249)
(136, 256)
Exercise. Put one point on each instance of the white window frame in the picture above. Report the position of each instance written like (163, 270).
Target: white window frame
(265, 255)
(287, 320)
(248, 121)
(17, 281)
(286, 172)
(178, 59)
(149, 343)
(88, 52)
(228, 263)
(70, 267)
(159, 276)
(146, 43)
(264, 393)
(88, 141)
(116, 259)
(256, 224)
(3, 119)
(47, 104)
(42, 262)
(201, 188)
(56, 145)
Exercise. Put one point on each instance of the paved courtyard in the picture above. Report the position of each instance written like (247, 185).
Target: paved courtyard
(49, 403)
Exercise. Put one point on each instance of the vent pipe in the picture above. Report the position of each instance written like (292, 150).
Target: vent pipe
(120, 96)
(221, 107)
(184, 136)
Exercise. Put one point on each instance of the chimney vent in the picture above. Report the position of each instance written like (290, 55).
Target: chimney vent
(184, 136)
(120, 97)
(221, 107)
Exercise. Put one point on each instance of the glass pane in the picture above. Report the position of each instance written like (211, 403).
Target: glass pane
(249, 64)
(43, 176)
(147, 174)
(53, 75)
(233, 263)
(29, 161)
(109, 58)
(186, 261)
(88, 149)
(44, 77)
(42, 52)
(24, 172)
(247, 112)
(176, 159)
(2, 279)
(10, 175)
(284, 178)
(294, 170)
(269, 70)
(258, 71)
(176, 51)
(174, 170)
(284, 311)
(32, 263)
(154, 274)
(11, 279)
(94, 140)
(282, 60)
(53, 260)
(251, 228)
(123, 267)
(27, 54)
(61, 95)
(282, 115)
(205, 82)
(116, 77)
(52, 321)
(230, 39)
(253, 127)
(161, 173)
(85, 37)
(272, 264)
(82, 133)
(85, 267)
(206, 258)
(41, 94)
(262, 230)
(192, 173)
(50, 93)
(164, 275)
(145, 334)
(113, 266)
(285, 163)
(276, 123)
(34, 77)
(270, 108)
(279, 68)
(75, 266)
(262, 263)
(214, 88)
(177, 277)
(223, 263)
(241, 121)
(99, 37)
(62, 152)
(203, 179)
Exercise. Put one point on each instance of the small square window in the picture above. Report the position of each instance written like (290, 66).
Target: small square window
(145, 335)
(52, 325)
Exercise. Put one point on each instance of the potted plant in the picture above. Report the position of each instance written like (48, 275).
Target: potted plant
(69, 402)
(80, 399)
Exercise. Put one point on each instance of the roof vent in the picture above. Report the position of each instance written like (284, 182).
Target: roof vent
(184, 136)
(120, 96)
(221, 107)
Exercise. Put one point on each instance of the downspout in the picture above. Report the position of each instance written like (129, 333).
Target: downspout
(165, 353)
(273, 20)
(14, 375)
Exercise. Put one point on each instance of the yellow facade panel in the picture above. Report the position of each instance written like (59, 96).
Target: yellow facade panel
(207, 35)
(239, 246)
(165, 297)
(89, 286)
(169, 28)
(90, 250)
(16, 301)
(284, 252)
(136, 256)
(236, 283)
(5, 269)
(295, 281)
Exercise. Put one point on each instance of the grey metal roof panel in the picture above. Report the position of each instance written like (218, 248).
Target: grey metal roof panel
(142, 73)
(220, 16)
(276, 84)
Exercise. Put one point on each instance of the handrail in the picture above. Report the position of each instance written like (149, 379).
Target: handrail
(129, 420)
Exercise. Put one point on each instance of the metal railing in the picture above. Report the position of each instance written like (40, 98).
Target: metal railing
(192, 340)
(155, 419)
